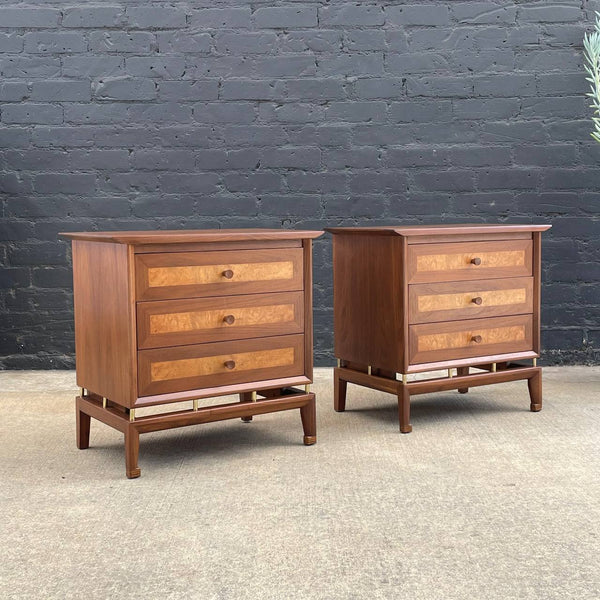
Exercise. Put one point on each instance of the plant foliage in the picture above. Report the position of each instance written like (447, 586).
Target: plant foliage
(591, 48)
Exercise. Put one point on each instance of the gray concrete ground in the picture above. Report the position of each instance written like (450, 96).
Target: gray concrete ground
(483, 500)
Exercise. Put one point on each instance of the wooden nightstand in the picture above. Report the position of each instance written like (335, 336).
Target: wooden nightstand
(424, 298)
(169, 316)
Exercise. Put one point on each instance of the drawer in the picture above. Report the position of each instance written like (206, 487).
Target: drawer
(430, 263)
(200, 320)
(181, 368)
(195, 274)
(428, 302)
(453, 340)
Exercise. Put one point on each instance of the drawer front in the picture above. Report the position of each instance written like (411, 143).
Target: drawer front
(430, 263)
(200, 320)
(453, 340)
(196, 274)
(165, 370)
(429, 302)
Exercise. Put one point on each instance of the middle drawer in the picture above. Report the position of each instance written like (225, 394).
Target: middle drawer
(429, 302)
(199, 320)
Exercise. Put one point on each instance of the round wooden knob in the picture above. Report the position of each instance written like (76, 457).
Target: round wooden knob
(229, 319)
(477, 300)
(476, 261)
(229, 364)
(476, 339)
(228, 274)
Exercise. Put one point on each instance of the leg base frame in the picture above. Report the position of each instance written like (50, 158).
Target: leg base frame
(90, 406)
(461, 382)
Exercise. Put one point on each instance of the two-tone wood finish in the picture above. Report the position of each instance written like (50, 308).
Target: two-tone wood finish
(165, 317)
(422, 298)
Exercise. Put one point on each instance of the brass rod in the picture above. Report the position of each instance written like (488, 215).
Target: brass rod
(307, 388)
(253, 396)
(535, 362)
(339, 363)
(404, 378)
(132, 414)
(195, 404)
(369, 370)
(493, 367)
(450, 373)
(104, 402)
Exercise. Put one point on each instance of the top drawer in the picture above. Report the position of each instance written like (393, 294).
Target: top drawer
(469, 260)
(197, 274)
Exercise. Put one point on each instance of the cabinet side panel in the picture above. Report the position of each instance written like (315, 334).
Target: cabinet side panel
(103, 334)
(368, 300)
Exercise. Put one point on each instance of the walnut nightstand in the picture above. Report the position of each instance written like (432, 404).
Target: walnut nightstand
(163, 317)
(425, 298)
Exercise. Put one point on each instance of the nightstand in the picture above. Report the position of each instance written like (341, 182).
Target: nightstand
(164, 317)
(425, 298)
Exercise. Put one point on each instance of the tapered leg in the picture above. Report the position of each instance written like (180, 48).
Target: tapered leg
(404, 409)
(246, 397)
(339, 392)
(462, 371)
(132, 448)
(308, 414)
(535, 391)
(83, 428)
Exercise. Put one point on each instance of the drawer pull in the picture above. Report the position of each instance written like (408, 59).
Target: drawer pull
(228, 274)
(476, 261)
(229, 319)
(476, 339)
(229, 364)
(477, 300)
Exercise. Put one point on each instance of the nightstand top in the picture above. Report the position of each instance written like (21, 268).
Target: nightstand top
(183, 236)
(418, 230)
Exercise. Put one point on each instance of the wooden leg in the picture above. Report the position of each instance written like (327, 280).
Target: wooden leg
(308, 414)
(246, 397)
(404, 409)
(461, 371)
(535, 391)
(132, 448)
(83, 428)
(339, 392)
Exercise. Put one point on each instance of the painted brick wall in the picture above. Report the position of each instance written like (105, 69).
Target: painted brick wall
(155, 114)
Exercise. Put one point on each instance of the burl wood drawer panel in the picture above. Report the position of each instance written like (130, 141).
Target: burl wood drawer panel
(469, 260)
(180, 368)
(452, 340)
(430, 302)
(196, 274)
(200, 320)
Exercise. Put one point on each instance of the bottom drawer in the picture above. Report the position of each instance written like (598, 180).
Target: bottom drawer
(180, 368)
(433, 342)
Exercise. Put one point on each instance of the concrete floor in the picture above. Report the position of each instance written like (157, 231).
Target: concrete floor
(483, 500)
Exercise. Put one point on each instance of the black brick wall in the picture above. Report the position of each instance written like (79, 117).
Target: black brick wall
(154, 114)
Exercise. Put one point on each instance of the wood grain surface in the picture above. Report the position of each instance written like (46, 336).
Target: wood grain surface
(428, 263)
(197, 274)
(475, 337)
(429, 302)
(104, 313)
(179, 368)
(199, 320)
